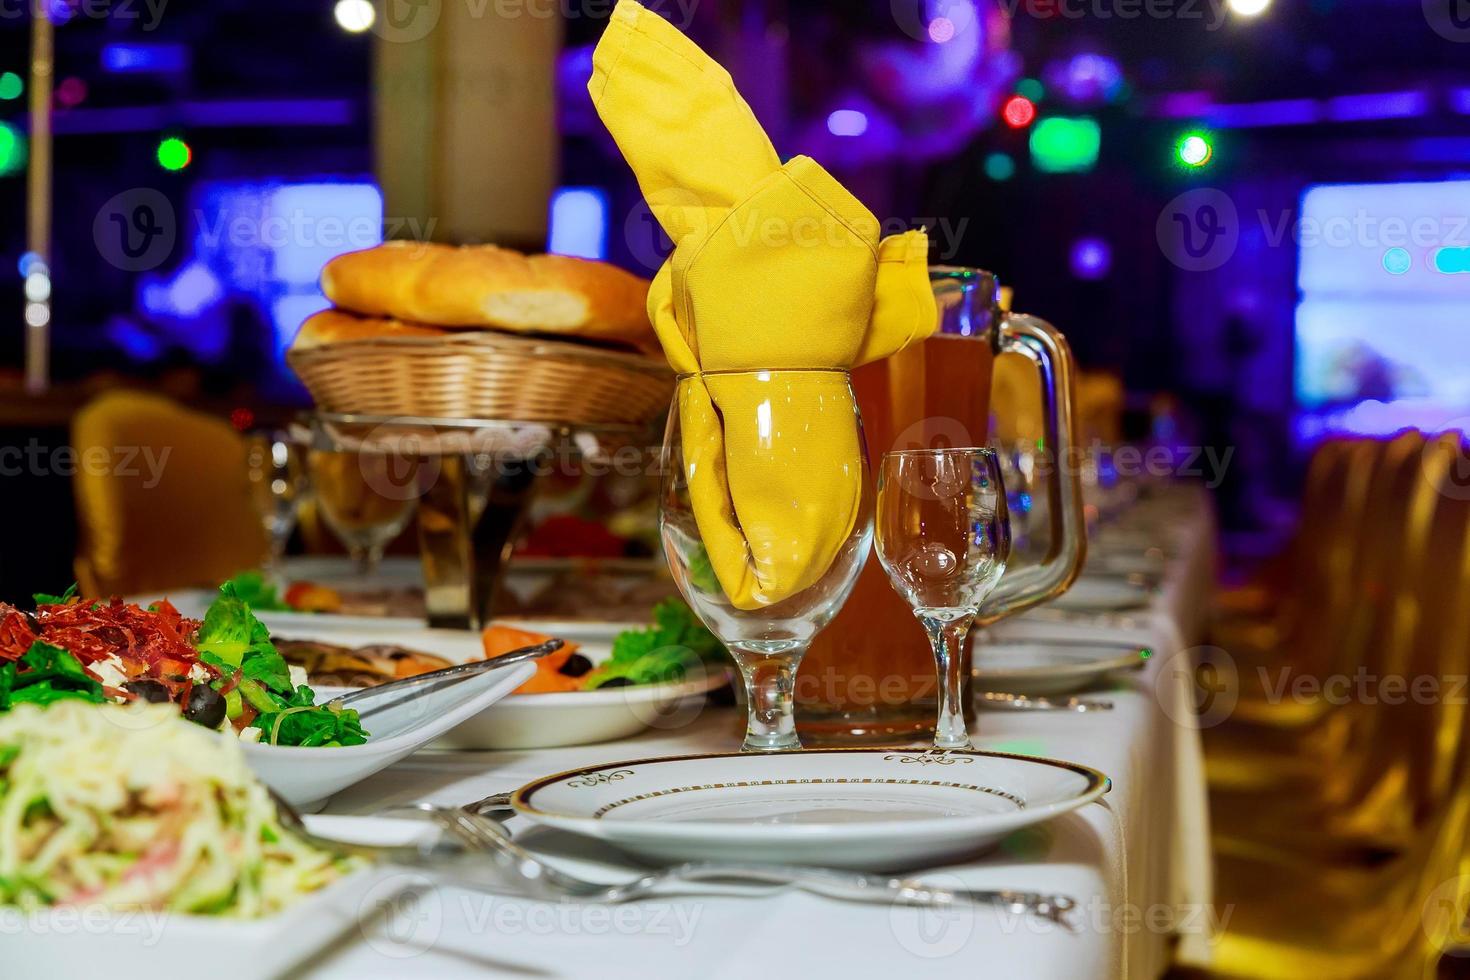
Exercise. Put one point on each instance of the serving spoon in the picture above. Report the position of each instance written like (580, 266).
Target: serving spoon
(394, 692)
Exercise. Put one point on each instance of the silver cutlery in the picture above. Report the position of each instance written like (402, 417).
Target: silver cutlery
(1108, 620)
(539, 880)
(1020, 702)
(367, 698)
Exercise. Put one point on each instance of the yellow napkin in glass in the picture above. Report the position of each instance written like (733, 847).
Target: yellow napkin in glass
(775, 268)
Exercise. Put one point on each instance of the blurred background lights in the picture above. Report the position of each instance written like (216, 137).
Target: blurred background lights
(11, 85)
(354, 16)
(1031, 88)
(1249, 8)
(1018, 112)
(38, 286)
(12, 149)
(847, 122)
(30, 262)
(1091, 258)
(38, 314)
(1397, 261)
(1066, 145)
(1000, 166)
(941, 29)
(70, 91)
(1194, 150)
(1452, 260)
(174, 154)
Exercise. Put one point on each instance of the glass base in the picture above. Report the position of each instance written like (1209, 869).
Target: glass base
(896, 725)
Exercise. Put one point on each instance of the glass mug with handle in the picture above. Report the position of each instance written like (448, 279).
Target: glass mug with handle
(869, 676)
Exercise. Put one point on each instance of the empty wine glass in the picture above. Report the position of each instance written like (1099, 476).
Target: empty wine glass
(276, 473)
(943, 536)
(367, 499)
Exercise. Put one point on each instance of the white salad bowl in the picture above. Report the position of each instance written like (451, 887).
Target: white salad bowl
(125, 944)
(308, 776)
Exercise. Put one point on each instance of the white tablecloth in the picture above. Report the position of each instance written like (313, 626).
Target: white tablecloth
(1138, 862)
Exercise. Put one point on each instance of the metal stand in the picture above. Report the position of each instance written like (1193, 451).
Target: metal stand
(479, 477)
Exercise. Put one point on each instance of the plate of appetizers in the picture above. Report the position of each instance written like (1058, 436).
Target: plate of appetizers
(224, 672)
(610, 680)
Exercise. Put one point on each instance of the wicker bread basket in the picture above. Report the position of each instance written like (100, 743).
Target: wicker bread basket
(485, 375)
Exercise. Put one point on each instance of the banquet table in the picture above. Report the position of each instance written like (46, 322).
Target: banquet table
(1137, 861)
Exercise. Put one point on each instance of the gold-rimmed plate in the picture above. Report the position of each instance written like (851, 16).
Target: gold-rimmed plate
(869, 809)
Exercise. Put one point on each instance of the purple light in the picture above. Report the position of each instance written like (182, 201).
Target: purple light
(1182, 105)
(941, 29)
(1460, 100)
(1281, 112)
(847, 122)
(1085, 78)
(1091, 258)
(164, 58)
(1377, 105)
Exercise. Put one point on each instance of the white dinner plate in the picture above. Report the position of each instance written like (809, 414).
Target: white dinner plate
(870, 809)
(137, 945)
(1049, 667)
(1102, 595)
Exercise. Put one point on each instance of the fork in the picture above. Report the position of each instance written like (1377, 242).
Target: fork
(1020, 702)
(542, 881)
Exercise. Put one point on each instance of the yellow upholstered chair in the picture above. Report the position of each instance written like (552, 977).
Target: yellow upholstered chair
(1294, 914)
(1365, 794)
(170, 506)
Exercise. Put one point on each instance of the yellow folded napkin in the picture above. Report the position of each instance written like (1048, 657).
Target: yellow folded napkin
(775, 268)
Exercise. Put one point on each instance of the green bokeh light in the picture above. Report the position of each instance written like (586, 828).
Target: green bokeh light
(1000, 166)
(1061, 145)
(174, 154)
(1031, 88)
(11, 85)
(12, 150)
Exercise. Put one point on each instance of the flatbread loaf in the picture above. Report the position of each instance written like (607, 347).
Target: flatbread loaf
(490, 287)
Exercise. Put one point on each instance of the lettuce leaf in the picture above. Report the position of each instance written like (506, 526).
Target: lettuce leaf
(665, 651)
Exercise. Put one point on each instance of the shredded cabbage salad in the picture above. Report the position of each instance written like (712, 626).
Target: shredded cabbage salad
(130, 806)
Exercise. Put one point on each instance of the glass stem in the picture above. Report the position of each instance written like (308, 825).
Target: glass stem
(770, 679)
(948, 639)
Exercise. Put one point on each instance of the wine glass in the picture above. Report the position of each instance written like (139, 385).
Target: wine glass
(943, 537)
(367, 499)
(276, 474)
(802, 503)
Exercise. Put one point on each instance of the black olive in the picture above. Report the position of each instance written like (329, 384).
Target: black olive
(206, 706)
(615, 682)
(148, 690)
(576, 666)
